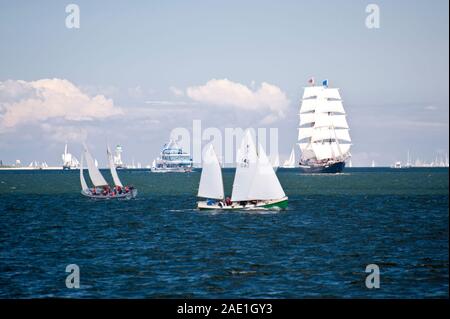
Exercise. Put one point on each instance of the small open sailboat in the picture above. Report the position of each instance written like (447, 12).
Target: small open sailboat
(255, 185)
(101, 189)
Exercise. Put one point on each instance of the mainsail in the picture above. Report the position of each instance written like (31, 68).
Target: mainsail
(211, 185)
(265, 184)
(94, 173)
(323, 129)
(245, 167)
(112, 167)
(84, 186)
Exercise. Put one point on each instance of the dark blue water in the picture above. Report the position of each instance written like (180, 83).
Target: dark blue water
(158, 245)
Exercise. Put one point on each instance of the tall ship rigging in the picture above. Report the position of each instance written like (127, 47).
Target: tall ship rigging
(323, 135)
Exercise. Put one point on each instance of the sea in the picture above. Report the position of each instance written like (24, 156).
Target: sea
(392, 223)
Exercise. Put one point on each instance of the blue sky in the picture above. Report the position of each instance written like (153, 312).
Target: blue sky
(142, 56)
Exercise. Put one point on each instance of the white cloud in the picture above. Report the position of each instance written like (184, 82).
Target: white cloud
(176, 91)
(41, 100)
(430, 108)
(168, 103)
(226, 93)
(66, 133)
(136, 92)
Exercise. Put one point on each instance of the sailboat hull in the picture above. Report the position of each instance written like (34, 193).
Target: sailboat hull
(324, 169)
(275, 204)
(128, 195)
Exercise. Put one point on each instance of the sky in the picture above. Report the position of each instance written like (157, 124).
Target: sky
(135, 70)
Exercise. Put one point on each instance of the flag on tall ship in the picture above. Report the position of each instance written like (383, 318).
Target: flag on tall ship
(325, 83)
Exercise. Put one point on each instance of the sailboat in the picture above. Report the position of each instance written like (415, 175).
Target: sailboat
(276, 162)
(323, 130)
(101, 189)
(290, 163)
(408, 161)
(255, 185)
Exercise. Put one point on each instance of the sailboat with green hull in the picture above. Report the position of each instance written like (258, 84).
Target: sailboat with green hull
(255, 185)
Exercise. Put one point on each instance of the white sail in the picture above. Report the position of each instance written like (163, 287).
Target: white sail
(331, 93)
(312, 91)
(112, 168)
(326, 120)
(323, 120)
(330, 150)
(245, 167)
(94, 173)
(325, 133)
(322, 151)
(307, 118)
(291, 161)
(303, 146)
(308, 105)
(276, 162)
(330, 106)
(305, 132)
(265, 184)
(211, 184)
(84, 186)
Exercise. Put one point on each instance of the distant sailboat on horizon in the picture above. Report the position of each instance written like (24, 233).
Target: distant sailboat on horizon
(290, 162)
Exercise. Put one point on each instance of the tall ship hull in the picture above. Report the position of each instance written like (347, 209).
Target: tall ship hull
(322, 169)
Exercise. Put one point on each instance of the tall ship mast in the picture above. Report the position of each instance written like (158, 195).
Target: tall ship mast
(323, 134)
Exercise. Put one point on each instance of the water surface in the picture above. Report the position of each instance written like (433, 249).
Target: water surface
(159, 245)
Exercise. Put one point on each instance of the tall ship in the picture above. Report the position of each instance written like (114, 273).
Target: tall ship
(323, 134)
(117, 157)
(172, 159)
(69, 161)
